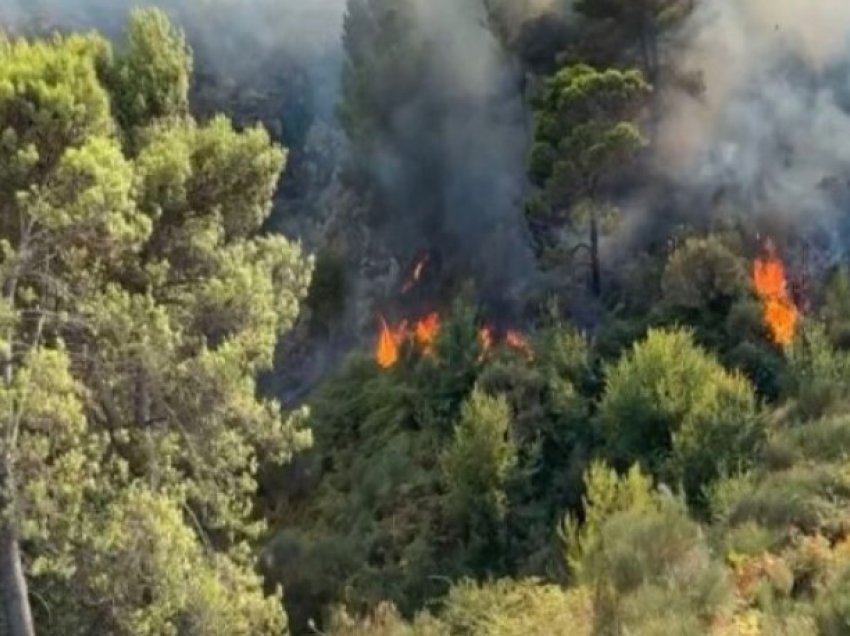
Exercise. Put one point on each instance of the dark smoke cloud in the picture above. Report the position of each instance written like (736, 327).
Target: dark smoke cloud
(772, 127)
(452, 166)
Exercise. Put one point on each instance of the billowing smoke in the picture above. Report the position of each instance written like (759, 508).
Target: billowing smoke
(451, 159)
(771, 127)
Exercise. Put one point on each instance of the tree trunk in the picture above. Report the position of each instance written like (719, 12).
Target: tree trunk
(13, 582)
(595, 267)
(14, 594)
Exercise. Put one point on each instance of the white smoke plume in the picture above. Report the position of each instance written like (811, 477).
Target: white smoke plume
(772, 125)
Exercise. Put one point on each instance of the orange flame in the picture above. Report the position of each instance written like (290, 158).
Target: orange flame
(516, 341)
(390, 339)
(780, 313)
(416, 274)
(386, 353)
(426, 331)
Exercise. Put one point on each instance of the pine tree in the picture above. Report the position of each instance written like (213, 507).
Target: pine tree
(140, 300)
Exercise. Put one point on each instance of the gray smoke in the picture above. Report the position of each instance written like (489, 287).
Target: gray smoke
(452, 162)
(233, 39)
(772, 126)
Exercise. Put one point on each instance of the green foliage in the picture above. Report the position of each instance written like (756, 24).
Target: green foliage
(808, 497)
(818, 374)
(648, 566)
(150, 78)
(585, 127)
(516, 608)
(671, 406)
(605, 495)
(156, 573)
(836, 308)
(140, 301)
(478, 464)
(141, 298)
(832, 610)
(50, 100)
(704, 273)
(504, 607)
(654, 573)
(54, 455)
(585, 130)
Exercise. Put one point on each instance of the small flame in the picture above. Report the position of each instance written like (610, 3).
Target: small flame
(426, 331)
(517, 341)
(389, 340)
(780, 313)
(416, 274)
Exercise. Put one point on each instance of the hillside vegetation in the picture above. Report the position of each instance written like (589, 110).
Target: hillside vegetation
(645, 433)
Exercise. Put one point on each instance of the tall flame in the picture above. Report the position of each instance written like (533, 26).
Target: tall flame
(386, 353)
(780, 313)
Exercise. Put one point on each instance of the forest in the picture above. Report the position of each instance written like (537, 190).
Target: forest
(424, 318)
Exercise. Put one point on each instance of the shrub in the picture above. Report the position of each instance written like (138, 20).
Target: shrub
(670, 406)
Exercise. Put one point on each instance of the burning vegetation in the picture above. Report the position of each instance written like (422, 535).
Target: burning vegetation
(424, 332)
(463, 442)
(771, 285)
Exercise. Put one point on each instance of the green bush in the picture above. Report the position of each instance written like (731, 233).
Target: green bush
(669, 405)
(832, 609)
(818, 374)
(653, 559)
(478, 463)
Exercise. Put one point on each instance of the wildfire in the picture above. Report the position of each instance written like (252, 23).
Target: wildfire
(390, 339)
(780, 313)
(516, 341)
(416, 273)
(423, 333)
(427, 330)
(386, 353)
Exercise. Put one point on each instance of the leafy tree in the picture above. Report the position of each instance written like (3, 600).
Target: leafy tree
(836, 308)
(477, 467)
(704, 274)
(585, 130)
(139, 303)
(817, 373)
(606, 494)
(646, 564)
(671, 406)
(150, 77)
